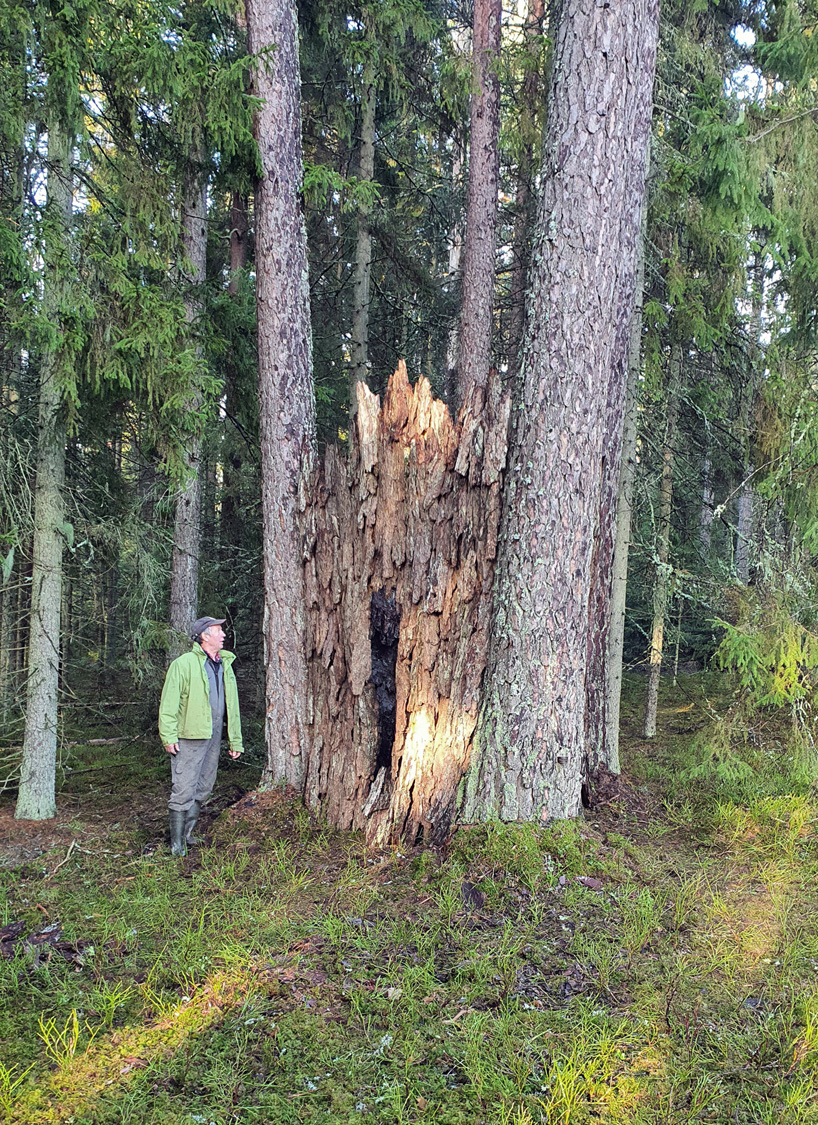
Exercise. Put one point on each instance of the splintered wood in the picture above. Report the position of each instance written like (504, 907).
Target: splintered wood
(410, 519)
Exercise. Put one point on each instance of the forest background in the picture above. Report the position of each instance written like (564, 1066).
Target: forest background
(132, 442)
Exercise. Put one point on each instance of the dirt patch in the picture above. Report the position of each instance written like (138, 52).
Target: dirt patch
(92, 812)
(24, 841)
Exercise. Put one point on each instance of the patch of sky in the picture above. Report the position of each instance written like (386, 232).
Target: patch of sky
(745, 83)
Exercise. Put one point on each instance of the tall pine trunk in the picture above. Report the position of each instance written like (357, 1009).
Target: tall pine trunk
(286, 402)
(477, 308)
(661, 581)
(184, 569)
(363, 246)
(523, 203)
(551, 610)
(36, 797)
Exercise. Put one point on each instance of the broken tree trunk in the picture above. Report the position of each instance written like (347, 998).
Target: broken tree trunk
(399, 545)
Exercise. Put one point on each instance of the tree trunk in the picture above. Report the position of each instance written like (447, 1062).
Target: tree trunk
(708, 506)
(453, 278)
(231, 520)
(661, 581)
(400, 542)
(8, 613)
(477, 308)
(609, 753)
(745, 516)
(551, 609)
(529, 102)
(287, 405)
(36, 797)
(184, 567)
(363, 249)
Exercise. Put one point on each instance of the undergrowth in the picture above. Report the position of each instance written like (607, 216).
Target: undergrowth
(655, 962)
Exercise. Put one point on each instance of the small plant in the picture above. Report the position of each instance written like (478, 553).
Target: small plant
(61, 1043)
(106, 999)
(641, 917)
(9, 1083)
(684, 902)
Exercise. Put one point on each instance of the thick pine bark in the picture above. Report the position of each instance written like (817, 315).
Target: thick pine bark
(36, 797)
(477, 308)
(661, 581)
(524, 200)
(609, 755)
(184, 568)
(287, 406)
(359, 371)
(551, 607)
(400, 541)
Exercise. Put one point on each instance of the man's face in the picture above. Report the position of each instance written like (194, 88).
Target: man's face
(213, 637)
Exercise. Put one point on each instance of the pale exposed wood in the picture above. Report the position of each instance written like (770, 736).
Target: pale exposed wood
(412, 515)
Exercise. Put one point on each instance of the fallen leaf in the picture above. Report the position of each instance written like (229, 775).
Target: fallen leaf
(589, 882)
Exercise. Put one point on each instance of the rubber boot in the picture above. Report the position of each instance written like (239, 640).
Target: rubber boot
(190, 823)
(177, 832)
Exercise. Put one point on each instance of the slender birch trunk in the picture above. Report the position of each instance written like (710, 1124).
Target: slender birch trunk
(661, 580)
(286, 402)
(36, 797)
(624, 512)
(708, 506)
(477, 309)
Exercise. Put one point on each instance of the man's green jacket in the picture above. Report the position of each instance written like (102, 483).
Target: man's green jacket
(184, 710)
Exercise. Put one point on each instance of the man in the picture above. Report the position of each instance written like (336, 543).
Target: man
(200, 687)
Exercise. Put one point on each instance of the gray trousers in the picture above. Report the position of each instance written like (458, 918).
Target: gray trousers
(193, 770)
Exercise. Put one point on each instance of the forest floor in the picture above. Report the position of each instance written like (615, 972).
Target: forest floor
(656, 962)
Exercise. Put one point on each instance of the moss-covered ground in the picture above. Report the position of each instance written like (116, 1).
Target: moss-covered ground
(656, 962)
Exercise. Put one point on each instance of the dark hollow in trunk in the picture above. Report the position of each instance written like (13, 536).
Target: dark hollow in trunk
(384, 631)
(399, 543)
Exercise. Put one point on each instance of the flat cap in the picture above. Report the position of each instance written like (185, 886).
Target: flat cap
(202, 623)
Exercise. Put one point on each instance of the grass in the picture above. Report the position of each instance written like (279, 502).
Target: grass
(283, 974)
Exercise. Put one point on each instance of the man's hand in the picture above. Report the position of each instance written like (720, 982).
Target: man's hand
(234, 754)
(172, 748)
